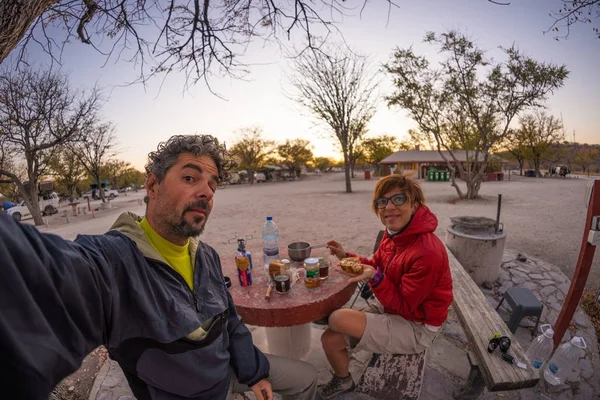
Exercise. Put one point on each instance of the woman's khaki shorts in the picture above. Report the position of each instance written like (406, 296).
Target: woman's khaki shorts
(391, 334)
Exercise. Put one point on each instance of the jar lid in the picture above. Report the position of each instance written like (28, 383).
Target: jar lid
(311, 261)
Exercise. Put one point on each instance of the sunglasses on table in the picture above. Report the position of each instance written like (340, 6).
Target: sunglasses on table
(397, 200)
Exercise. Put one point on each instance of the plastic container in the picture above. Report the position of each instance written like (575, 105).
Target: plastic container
(540, 349)
(564, 359)
(270, 235)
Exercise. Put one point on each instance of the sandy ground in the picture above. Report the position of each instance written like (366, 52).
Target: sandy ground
(544, 218)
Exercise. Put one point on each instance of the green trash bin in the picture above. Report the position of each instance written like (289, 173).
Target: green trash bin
(447, 176)
(438, 176)
(429, 176)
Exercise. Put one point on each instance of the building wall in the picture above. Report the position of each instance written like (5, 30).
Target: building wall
(408, 166)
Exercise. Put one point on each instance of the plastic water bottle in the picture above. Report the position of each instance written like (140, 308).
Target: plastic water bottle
(564, 359)
(270, 235)
(540, 349)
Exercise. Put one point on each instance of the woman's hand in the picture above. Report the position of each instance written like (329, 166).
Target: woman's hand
(262, 390)
(368, 273)
(336, 249)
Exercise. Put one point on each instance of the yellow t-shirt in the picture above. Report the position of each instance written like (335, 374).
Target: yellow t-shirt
(178, 257)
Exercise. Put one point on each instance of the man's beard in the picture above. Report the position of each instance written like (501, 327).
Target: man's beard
(186, 229)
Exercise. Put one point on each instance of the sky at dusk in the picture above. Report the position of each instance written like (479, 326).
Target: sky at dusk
(144, 116)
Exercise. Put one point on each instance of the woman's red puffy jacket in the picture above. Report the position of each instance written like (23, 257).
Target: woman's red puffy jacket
(417, 283)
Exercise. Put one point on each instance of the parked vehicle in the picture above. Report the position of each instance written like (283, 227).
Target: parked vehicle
(49, 204)
(108, 194)
(235, 179)
(260, 177)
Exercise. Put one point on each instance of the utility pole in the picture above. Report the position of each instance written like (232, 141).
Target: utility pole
(573, 136)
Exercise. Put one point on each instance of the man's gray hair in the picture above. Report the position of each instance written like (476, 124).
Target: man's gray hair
(166, 154)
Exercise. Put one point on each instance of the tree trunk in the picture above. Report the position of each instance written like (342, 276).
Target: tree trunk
(536, 165)
(34, 201)
(347, 172)
(521, 162)
(16, 16)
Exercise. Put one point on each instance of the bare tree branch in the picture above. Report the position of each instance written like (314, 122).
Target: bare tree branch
(574, 12)
(200, 38)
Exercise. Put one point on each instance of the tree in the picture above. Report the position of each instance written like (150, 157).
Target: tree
(469, 101)
(295, 154)
(338, 90)
(197, 37)
(131, 177)
(38, 112)
(113, 170)
(323, 164)
(9, 162)
(418, 140)
(378, 148)
(586, 156)
(537, 133)
(251, 151)
(68, 172)
(358, 129)
(516, 148)
(95, 149)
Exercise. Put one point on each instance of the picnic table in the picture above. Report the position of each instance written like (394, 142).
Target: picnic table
(286, 317)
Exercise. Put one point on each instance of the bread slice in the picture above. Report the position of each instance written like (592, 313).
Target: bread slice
(275, 267)
(352, 265)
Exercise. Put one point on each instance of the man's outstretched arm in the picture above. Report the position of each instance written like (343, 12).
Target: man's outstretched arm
(55, 304)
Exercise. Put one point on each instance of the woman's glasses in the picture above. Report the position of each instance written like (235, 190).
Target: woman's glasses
(397, 200)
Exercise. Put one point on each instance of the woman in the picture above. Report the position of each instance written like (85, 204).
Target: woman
(410, 277)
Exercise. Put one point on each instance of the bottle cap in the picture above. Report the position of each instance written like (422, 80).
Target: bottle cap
(578, 342)
(269, 218)
(548, 332)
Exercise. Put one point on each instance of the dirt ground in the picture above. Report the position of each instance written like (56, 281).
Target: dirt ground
(543, 218)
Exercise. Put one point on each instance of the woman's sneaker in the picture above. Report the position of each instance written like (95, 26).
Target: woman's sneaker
(336, 386)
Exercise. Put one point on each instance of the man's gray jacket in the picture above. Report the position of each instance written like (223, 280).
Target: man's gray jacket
(61, 299)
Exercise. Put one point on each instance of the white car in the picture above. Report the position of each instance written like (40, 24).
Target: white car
(108, 194)
(260, 177)
(48, 205)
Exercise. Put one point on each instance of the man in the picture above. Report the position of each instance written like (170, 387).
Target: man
(148, 291)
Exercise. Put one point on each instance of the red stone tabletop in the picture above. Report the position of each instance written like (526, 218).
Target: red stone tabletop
(300, 306)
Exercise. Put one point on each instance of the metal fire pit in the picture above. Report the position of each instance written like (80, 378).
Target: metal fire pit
(478, 244)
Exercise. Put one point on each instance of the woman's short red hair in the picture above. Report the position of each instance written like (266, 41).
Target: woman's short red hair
(406, 184)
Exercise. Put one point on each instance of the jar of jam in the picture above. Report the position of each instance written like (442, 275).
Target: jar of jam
(311, 276)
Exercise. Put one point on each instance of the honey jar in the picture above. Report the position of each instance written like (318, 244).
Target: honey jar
(311, 273)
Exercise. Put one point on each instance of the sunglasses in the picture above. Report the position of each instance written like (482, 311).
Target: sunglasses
(397, 200)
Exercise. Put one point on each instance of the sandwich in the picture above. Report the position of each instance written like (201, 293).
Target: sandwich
(352, 265)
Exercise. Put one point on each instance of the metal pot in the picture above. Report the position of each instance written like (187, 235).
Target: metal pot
(299, 251)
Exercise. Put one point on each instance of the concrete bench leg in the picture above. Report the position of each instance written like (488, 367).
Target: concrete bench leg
(475, 383)
(393, 376)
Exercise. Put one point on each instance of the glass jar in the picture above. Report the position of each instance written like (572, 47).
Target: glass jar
(286, 265)
(323, 268)
(311, 273)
